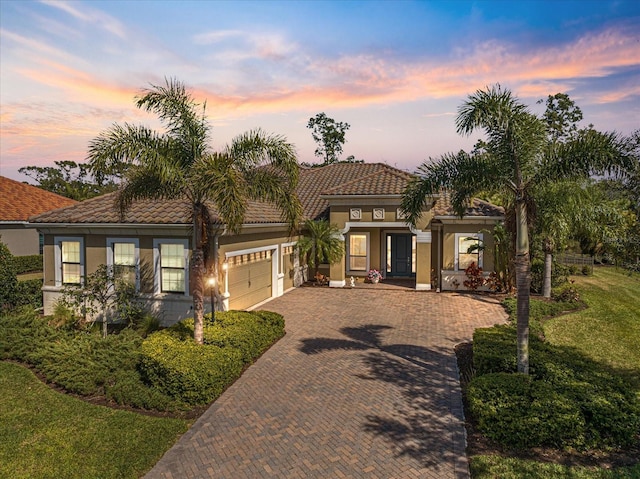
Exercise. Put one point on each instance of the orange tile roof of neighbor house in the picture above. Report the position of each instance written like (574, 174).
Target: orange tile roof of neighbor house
(19, 201)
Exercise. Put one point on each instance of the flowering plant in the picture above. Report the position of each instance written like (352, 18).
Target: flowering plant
(374, 275)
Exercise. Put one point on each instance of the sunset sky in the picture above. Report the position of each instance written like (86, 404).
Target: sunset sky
(395, 70)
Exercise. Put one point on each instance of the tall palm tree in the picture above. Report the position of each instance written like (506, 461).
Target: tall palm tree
(178, 163)
(517, 157)
(321, 243)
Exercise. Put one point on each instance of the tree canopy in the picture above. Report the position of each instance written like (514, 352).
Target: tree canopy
(330, 137)
(179, 163)
(516, 157)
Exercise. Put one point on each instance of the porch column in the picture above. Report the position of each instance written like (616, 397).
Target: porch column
(337, 272)
(423, 260)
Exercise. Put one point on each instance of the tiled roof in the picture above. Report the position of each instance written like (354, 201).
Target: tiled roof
(102, 209)
(313, 188)
(346, 179)
(443, 207)
(18, 200)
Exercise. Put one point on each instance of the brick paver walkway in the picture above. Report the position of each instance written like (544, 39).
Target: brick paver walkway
(363, 385)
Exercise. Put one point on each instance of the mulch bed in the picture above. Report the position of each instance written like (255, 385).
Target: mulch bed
(479, 445)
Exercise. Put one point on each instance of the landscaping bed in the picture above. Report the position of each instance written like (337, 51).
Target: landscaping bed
(578, 413)
(165, 372)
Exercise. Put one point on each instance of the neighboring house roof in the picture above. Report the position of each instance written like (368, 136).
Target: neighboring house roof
(19, 201)
(315, 187)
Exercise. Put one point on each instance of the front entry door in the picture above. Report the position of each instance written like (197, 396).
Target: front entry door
(401, 254)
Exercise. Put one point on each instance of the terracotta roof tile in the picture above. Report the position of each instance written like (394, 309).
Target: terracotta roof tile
(314, 186)
(443, 207)
(18, 200)
(315, 182)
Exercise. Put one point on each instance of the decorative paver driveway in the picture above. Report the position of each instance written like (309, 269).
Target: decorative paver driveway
(363, 385)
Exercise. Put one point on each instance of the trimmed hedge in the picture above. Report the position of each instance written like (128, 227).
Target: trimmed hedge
(182, 369)
(8, 278)
(518, 411)
(567, 401)
(197, 374)
(28, 264)
(540, 309)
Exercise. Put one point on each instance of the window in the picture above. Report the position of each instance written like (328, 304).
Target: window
(358, 254)
(123, 254)
(468, 250)
(171, 260)
(69, 257)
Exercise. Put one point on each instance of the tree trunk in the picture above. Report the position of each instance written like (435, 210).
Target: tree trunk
(197, 273)
(547, 248)
(546, 287)
(523, 285)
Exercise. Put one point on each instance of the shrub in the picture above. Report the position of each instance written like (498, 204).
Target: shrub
(28, 264)
(586, 270)
(28, 293)
(182, 369)
(197, 374)
(539, 309)
(566, 401)
(573, 269)
(126, 387)
(517, 411)
(475, 279)
(565, 294)
(494, 349)
(8, 280)
(558, 275)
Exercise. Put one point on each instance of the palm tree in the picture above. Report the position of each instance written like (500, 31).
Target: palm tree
(517, 157)
(178, 163)
(321, 243)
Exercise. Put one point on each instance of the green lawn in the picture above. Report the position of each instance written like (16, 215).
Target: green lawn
(608, 332)
(46, 434)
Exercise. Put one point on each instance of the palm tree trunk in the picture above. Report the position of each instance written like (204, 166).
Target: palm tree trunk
(197, 273)
(548, 261)
(523, 285)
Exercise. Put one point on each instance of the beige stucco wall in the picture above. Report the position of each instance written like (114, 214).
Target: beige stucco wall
(20, 240)
(169, 307)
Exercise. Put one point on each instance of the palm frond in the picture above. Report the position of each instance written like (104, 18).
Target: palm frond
(590, 153)
(215, 179)
(123, 143)
(179, 112)
(148, 182)
(256, 148)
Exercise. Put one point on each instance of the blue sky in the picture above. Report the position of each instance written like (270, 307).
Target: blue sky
(395, 70)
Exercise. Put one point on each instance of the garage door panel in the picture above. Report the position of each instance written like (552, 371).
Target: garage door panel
(250, 281)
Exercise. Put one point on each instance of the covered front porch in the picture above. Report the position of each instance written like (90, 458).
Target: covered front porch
(400, 253)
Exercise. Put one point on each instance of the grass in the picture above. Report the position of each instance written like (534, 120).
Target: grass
(607, 332)
(44, 433)
(613, 313)
(28, 276)
(512, 468)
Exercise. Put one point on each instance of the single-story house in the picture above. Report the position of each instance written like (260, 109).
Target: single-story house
(19, 201)
(260, 263)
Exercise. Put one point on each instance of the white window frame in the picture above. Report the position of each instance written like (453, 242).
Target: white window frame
(477, 236)
(368, 257)
(57, 241)
(111, 259)
(157, 270)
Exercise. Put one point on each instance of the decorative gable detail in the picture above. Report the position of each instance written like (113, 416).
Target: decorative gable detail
(378, 214)
(355, 213)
